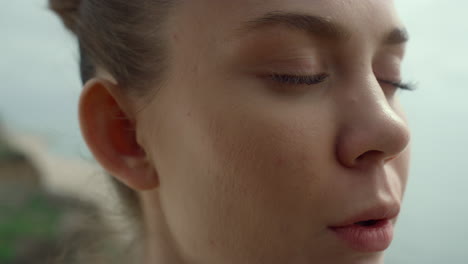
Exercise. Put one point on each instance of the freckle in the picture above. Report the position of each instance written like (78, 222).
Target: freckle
(189, 113)
(175, 37)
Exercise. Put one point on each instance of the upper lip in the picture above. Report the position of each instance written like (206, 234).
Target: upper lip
(379, 212)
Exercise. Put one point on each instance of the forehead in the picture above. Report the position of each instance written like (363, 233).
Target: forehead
(221, 17)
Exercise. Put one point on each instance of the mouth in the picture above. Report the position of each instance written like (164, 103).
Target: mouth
(369, 223)
(370, 231)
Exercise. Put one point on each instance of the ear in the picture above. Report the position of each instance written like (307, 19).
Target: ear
(110, 135)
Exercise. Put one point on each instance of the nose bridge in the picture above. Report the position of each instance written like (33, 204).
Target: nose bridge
(367, 105)
(371, 127)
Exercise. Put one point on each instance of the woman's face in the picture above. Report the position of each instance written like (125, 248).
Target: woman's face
(256, 166)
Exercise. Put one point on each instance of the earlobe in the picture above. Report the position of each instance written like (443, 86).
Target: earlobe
(109, 132)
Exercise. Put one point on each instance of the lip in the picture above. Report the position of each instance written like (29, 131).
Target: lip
(372, 238)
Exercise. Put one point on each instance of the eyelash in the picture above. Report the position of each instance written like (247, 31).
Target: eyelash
(299, 79)
(318, 78)
(401, 85)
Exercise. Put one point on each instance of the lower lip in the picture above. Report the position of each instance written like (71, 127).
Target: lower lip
(366, 238)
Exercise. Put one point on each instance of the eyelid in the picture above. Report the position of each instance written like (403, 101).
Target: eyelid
(410, 86)
(293, 65)
(311, 79)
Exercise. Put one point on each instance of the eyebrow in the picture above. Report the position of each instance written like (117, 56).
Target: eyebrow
(317, 26)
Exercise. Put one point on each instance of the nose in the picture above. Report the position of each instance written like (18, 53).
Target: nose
(372, 128)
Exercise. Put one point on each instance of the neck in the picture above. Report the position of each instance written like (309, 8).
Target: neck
(159, 247)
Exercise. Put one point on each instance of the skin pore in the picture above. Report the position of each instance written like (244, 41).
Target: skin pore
(234, 165)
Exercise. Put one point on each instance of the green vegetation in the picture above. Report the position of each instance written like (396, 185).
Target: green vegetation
(33, 219)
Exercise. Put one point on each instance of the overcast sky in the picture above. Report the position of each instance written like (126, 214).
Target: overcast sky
(40, 87)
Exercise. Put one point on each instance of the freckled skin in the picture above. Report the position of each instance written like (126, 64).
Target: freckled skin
(249, 175)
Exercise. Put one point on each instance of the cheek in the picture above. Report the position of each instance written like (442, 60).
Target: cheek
(271, 150)
(270, 153)
(241, 173)
(270, 165)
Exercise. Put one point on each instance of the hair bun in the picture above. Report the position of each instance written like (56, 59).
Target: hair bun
(68, 10)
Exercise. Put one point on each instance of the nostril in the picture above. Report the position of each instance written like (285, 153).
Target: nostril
(370, 155)
(361, 157)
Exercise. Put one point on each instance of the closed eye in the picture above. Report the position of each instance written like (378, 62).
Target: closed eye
(400, 85)
(292, 79)
(299, 79)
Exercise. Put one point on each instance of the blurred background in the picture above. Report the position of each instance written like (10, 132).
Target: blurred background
(40, 142)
